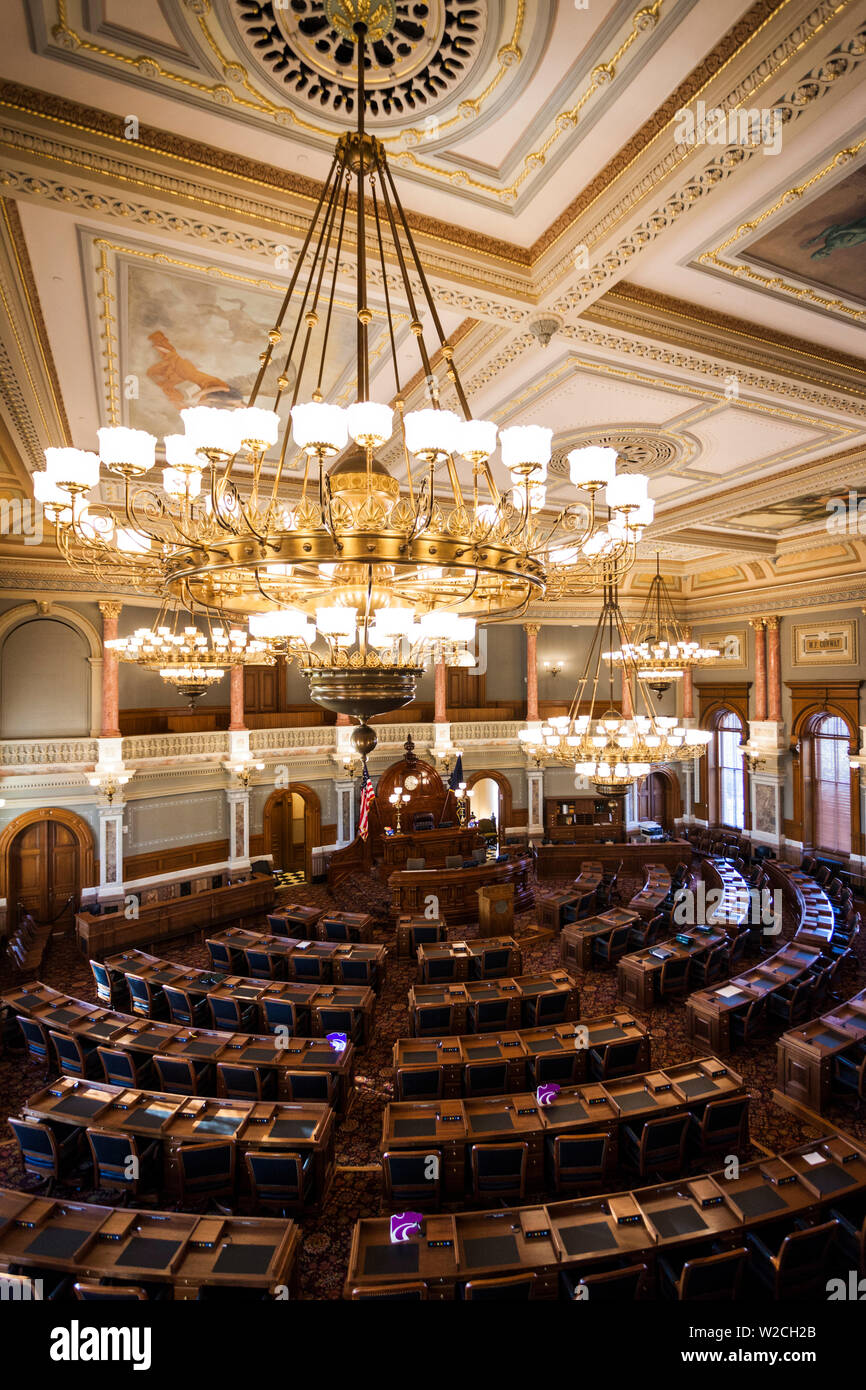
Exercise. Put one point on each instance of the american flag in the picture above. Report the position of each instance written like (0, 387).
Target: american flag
(457, 775)
(368, 796)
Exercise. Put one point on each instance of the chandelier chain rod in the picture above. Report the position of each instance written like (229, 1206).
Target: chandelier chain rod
(361, 253)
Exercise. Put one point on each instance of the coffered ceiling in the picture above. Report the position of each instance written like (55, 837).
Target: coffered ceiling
(159, 164)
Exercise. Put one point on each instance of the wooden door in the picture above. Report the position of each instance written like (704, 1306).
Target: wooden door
(264, 688)
(44, 871)
(652, 800)
(464, 689)
(288, 842)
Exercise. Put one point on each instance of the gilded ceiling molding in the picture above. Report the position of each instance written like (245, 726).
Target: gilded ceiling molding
(729, 47)
(637, 310)
(722, 262)
(811, 88)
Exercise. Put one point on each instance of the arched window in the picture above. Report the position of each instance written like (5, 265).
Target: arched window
(831, 785)
(728, 781)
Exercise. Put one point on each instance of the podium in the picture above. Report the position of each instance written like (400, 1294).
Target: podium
(495, 909)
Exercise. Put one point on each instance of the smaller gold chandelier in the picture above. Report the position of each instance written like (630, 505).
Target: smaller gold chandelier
(189, 657)
(660, 650)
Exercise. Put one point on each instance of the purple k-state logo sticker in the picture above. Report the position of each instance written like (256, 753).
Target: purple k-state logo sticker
(546, 1094)
(339, 1041)
(405, 1225)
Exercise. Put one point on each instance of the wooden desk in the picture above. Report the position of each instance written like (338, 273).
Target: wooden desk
(359, 925)
(551, 907)
(709, 1011)
(295, 919)
(405, 931)
(291, 950)
(514, 991)
(456, 890)
(657, 885)
(520, 1050)
(590, 1234)
(576, 939)
(452, 1127)
(638, 973)
(806, 1056)
(434, 846)
(95, 1025)
(564, 861)
(466, 957)
(213, 984)
(199, 1251)
(199, 912)
(304, 1128)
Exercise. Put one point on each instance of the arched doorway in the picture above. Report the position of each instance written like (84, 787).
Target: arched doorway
(484, 782)
(292, 828)
(658, 799)
(46, 858)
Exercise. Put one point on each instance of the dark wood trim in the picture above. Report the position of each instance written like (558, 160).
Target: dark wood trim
(80, 829)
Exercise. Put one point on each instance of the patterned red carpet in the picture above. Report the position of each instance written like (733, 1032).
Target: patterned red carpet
(357, 1189)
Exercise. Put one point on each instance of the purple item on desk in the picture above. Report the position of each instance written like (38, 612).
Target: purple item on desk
(405, 1225)
(546, 1094)
(338, 1041)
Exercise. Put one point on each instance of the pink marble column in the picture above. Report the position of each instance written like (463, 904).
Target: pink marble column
(440, 686)
(760, 669)
(531, 630)
(110, 712)
(627, 704)
(688, 686)
(774, 671)
(237, 698)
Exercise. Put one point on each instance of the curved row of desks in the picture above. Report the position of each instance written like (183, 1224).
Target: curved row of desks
(337, 962)
(305, 1128)
(312, 1003)
(183, 1253)
(448, 1129)
(95, 1026)
(709, 1011)
(460, 1060)
(589, 1234)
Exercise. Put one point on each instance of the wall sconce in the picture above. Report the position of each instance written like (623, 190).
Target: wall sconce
(447, 757)
(244, 772)
(553, 668)
(110, 780)
(753, 761)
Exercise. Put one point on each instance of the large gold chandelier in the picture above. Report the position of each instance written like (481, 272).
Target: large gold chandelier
(659, 649)
(611, 746)
(360, 578)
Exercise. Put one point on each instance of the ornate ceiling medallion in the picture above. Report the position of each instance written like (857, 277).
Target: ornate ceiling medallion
(417, 53)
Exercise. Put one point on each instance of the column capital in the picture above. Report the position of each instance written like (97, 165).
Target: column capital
(772, 624)
(110, 608)
(757, 623)
(532, 628)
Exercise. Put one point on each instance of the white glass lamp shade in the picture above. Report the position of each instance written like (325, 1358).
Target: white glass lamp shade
(463, 630)
(74, 470)
(51, 496)
(179, 483)
(529, 735)
(130, 542)
(395, 622)
(476, 439)
(284, 622)
(126, 451)
(337, 622)
(563, 555)
(439, 626)
(179, 453)
(431, 433)
(526, 447)
(598, 544)
(626, 490)
(211, 430)
(644, 514)
(370, 423)
(592, 467)
(377, 638)
(258, 429)
(319, 428)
